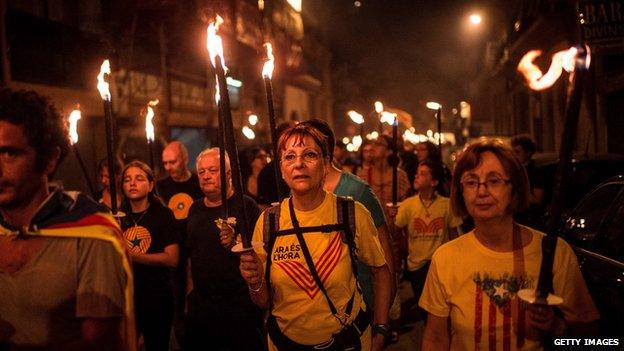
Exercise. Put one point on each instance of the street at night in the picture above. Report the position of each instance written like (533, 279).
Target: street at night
(292, 175)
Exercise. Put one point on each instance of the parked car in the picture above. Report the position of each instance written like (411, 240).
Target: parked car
(595, 229)
(587, 172)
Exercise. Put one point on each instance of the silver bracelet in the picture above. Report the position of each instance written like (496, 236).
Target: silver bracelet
(257, 290)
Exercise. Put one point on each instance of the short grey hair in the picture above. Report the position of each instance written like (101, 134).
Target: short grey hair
(210, 151)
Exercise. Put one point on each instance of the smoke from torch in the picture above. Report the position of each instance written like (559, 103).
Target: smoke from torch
(149, 125)
(103, 85)
(269, 65)
(74, 116)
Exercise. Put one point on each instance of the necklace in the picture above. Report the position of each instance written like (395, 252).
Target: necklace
(426, 206)
(136, 221)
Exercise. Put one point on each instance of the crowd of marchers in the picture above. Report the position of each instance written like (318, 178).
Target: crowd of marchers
(328, 247)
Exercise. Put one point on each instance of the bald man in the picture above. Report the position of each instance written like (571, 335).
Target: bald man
(179, 190)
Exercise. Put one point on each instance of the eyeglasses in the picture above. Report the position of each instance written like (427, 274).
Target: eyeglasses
(307, 157)
(489, 184)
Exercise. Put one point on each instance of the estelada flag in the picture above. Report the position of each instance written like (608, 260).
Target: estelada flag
(73, 215)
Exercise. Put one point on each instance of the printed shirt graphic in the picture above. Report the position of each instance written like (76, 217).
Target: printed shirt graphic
(299, 306)
(427, 229)
(138, 239)
(477, 288)
(180, 204)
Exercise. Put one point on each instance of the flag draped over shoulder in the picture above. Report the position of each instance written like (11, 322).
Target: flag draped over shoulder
(73, 215)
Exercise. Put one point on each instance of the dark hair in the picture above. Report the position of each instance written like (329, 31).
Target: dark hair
(433, 153)
(103, 164)
(437, 173)
(250, 155)
(472, 157)
(301, 131)
(44, 127)
(525, 142)
(326, 130)
(152, 196)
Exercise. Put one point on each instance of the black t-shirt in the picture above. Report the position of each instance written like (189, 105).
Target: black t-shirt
(267, 188)
(215, 270)
(160, 224)
(179, 196)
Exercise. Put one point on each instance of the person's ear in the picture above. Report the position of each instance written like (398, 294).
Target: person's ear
(52, 161)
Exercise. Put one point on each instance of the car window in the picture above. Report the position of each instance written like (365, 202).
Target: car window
(586, 218)
(610, 241)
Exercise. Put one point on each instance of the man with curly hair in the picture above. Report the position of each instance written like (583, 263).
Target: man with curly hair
(64, 278)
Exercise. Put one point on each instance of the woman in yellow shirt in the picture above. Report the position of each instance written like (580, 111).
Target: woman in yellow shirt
(304, 313)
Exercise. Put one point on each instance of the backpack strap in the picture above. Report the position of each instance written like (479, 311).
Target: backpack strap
(345, 208)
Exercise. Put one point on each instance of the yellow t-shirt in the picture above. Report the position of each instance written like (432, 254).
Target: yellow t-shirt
(300, 308)
(427, 228)
(477, 287)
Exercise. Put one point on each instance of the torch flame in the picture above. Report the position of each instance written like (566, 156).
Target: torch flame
(561, 60)
(248, 133)
(356, 117)
(74, 116)
(269, 65)
(378, 106)
(388, 117)
(102, 85)
(149, 125)
(214, 44)
(217, 92)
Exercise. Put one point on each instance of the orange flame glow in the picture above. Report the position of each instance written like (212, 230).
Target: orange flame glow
(356, 117)
(269, 65)
(378, 106)
(214, 44)
(102, 85)
(388, 117)
(73, 118)
(149, 125)
(561, 60)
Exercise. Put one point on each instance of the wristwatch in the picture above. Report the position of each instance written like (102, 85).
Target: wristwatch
(382, 329)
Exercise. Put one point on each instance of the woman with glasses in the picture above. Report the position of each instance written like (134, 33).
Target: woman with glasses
(307, 280)
(471, 288)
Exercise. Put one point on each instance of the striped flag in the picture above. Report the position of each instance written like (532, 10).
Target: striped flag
(497, 307)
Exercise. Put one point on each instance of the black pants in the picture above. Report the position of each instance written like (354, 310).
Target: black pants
(417, 279)
(223, 324)
(154, 315)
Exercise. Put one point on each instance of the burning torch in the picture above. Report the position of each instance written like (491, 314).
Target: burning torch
(357, 118)
(215, 49)
(576, 61)
(103, 87)
(73, 118)
(267, 75)
(149, 130)
(393, 120)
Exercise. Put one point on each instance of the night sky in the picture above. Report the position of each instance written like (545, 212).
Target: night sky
(404, 53)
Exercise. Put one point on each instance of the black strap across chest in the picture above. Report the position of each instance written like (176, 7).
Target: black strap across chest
(346, 225)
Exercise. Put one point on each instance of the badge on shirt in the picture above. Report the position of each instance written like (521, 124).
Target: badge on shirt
(180, 204)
